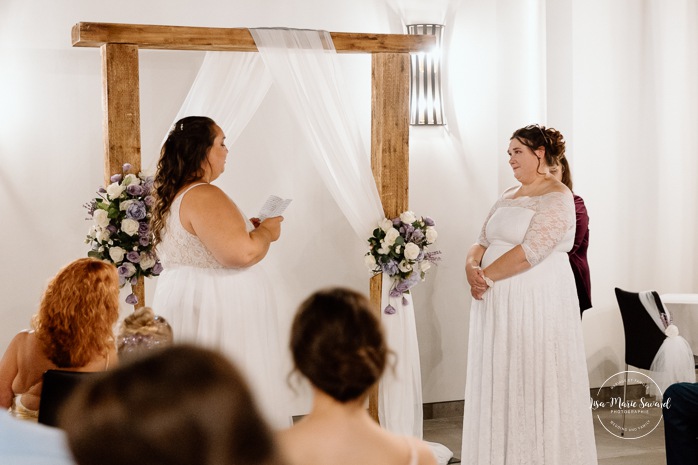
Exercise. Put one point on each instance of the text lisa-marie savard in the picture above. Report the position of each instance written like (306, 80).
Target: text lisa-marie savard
(618, 402)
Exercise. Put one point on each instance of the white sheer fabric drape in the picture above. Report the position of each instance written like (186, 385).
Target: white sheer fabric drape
(228, 88)
(673, 362)
(303, 65)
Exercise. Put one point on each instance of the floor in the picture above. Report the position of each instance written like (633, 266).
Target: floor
(611, 449)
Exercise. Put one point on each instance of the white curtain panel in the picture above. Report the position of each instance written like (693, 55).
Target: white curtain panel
(228, 88)
(303, 65)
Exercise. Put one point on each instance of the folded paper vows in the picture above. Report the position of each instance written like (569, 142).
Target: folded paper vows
(274, 206)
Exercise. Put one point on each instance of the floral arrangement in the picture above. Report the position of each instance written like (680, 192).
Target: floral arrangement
(398, 247)
(121, 233)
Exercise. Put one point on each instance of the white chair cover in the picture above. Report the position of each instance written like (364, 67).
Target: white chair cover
(674, 361)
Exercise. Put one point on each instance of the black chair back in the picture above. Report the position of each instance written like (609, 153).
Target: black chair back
(642, 335)
(57, 387)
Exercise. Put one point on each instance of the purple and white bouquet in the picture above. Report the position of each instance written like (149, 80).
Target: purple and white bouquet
(398, 247)
(121, 232)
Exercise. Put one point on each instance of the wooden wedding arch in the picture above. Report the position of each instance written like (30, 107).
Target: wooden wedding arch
(390, 62)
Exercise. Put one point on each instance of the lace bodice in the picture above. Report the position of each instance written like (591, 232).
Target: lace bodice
(551, 226)
(179, 246)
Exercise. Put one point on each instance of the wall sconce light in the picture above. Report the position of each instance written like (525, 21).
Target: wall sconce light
(425, 79)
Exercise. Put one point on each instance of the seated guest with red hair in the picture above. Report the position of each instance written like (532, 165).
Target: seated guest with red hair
(73, 330)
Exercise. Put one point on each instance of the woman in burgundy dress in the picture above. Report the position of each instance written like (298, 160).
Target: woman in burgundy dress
(578, 254)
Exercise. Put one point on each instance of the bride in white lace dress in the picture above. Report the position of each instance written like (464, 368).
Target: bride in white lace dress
(212, 290)
(527, 388)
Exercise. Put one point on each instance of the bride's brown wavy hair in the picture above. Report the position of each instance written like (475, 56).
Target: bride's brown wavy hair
(181, 159)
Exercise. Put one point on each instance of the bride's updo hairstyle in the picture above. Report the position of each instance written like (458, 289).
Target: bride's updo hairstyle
(535, 136)
(337, 343)
(181, 158)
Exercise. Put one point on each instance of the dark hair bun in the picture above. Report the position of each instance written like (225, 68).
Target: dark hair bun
(338, 344)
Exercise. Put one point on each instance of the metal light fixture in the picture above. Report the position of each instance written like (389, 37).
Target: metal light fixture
(425, 79)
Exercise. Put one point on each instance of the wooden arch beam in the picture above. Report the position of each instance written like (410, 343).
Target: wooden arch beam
(231, 39)
(390, 83)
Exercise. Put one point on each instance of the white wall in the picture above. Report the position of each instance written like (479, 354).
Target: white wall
(51, 152)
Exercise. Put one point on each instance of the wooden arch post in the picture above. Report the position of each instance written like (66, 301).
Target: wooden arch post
(120, 43)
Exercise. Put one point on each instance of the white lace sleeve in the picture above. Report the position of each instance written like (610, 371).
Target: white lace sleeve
(554, 216)
(482, 239)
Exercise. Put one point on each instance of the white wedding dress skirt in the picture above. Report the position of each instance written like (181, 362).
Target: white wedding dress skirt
(527, 388)
(231, 311)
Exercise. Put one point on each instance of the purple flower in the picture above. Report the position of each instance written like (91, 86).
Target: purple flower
(136, 211)
(416, 236)
(126, 270)
(157, 268)
(134, 280)
(397, 221)
(122, 280)
(389, 310)
(112, 229)
(126, 167)
(131, 299)
(115, 178)
(134, 189)
(404, 285)
(390, 267)
(143, 227)
(102, 190)
(144, 240)
(428, 221)
(133, 256)
(149, 200)
(91, 207)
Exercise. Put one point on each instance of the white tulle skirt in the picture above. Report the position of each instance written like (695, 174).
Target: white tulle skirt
(233, 311)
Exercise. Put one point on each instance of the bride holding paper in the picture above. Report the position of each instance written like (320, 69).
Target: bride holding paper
(213, 290)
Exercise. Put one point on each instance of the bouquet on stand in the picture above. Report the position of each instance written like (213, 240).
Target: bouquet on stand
(120, 232)
(399, 247)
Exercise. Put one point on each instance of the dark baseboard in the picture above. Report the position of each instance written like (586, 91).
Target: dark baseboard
(605, 394)
(454, 408)
(433, 410)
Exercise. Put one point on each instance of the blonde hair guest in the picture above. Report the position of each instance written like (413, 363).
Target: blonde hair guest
(142, 331)
(73, 330)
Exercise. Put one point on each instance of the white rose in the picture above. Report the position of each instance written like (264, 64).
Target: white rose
(390, 236)
(114, 190)
(131, 179)
(385, 224)
(424, 266)
(147, 261)
(370, 261)
(411, 251)
(398, 248)
(123, 206)
(129, 226)
(117, 254)
(101, 218)
(102, 235)
(431, 234)
(384, 249)
(671, 331)
(404, 266)
(408, 217)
